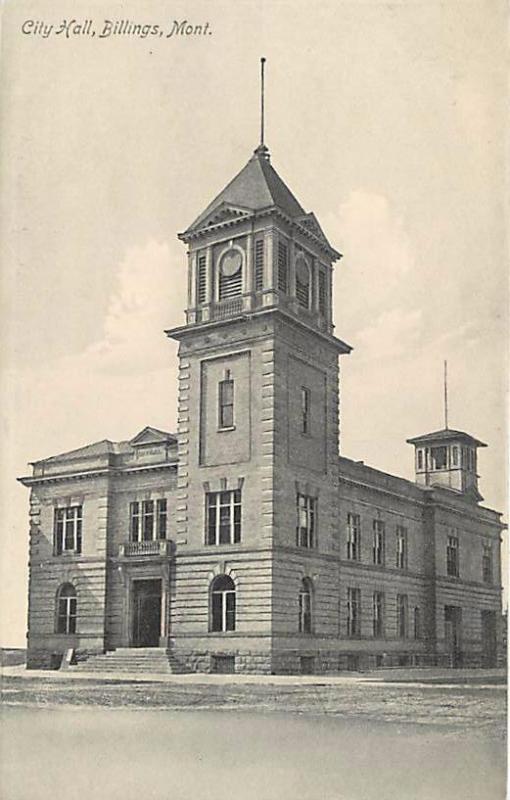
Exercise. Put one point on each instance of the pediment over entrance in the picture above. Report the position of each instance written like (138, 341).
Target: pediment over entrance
(152, 436)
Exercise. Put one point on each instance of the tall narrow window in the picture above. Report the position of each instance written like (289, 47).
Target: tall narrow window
(419, 459)
(452, 557)
(223, 604)
(66, 609)
(353, 537)
(302, 283)
(455, 455)
(378, 614)
(353, 612)
(67, 530)
(283, 269)
(259, 265)
(226, 403)
(378, 545)
(305, 529)
(306, 403)
(148, 520)
(305, 607)
(134, 521)
(161, 510)
(223, 510)
(417, 623)
(487, 562)
(401, 547)
(322, 293)
(402, 616)
(201, 280)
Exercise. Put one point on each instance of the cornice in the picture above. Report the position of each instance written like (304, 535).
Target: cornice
(35, 480)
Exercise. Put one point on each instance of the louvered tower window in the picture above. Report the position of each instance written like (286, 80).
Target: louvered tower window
(231, 275)
(303, 283)
(282, 267)
(259, 265)
(201, 280)
(322, 293)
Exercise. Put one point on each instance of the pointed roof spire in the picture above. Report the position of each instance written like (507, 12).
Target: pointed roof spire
(261, 151)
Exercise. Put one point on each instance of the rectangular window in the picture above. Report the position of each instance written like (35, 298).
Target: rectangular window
(66, 621)
(353, 612)
(223, 514)
(402, 616)
(452, 557)
(282, 267)
(378, 614)
(141, 520)
(487, 562)
(419, 456)
(455, 455)
(353, 537)
(378, 545)
(201, 280)
(439, 456)
(401, 547)
(259, 265)
(67, 528)
(306, 403)
(306, 512)
(226, 403)
(322, 293)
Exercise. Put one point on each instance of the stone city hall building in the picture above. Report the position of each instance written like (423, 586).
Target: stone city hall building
(244, 542)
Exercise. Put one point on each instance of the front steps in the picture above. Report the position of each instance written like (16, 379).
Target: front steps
(132, 660)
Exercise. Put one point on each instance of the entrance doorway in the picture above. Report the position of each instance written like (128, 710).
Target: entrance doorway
(453, 629)
(146, 613)
(489, 639)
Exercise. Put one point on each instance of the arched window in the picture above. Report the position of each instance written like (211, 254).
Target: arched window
(231, 275)
(66, 609)
(305, 606)
(303, 283)
(223, 604)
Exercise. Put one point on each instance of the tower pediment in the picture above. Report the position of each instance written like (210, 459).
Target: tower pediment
(311, 223)
(224, 213)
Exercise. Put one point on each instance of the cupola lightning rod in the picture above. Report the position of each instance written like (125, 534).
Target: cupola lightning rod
(262, 63)
(446, 394)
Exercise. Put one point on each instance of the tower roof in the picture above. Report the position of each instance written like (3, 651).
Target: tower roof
(446, 435)
(256, 187)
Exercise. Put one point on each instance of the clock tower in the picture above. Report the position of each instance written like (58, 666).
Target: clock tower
(258, 432)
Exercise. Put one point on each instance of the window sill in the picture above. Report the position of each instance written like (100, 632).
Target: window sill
(68, 554)
(227, 430)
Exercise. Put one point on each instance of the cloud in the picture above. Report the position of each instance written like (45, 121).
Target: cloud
(147, 300)
(376, 280)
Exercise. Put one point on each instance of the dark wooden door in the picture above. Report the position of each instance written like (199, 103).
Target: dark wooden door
(146, 613)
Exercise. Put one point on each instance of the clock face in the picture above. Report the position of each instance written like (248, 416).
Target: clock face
(302, 272)
(231, 263)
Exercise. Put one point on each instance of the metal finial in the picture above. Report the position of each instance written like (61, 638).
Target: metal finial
(262, 63)
(446, 395)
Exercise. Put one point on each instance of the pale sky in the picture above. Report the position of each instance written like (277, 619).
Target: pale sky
(386, 119)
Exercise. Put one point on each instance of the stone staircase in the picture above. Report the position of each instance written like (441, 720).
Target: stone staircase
(132, 660)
